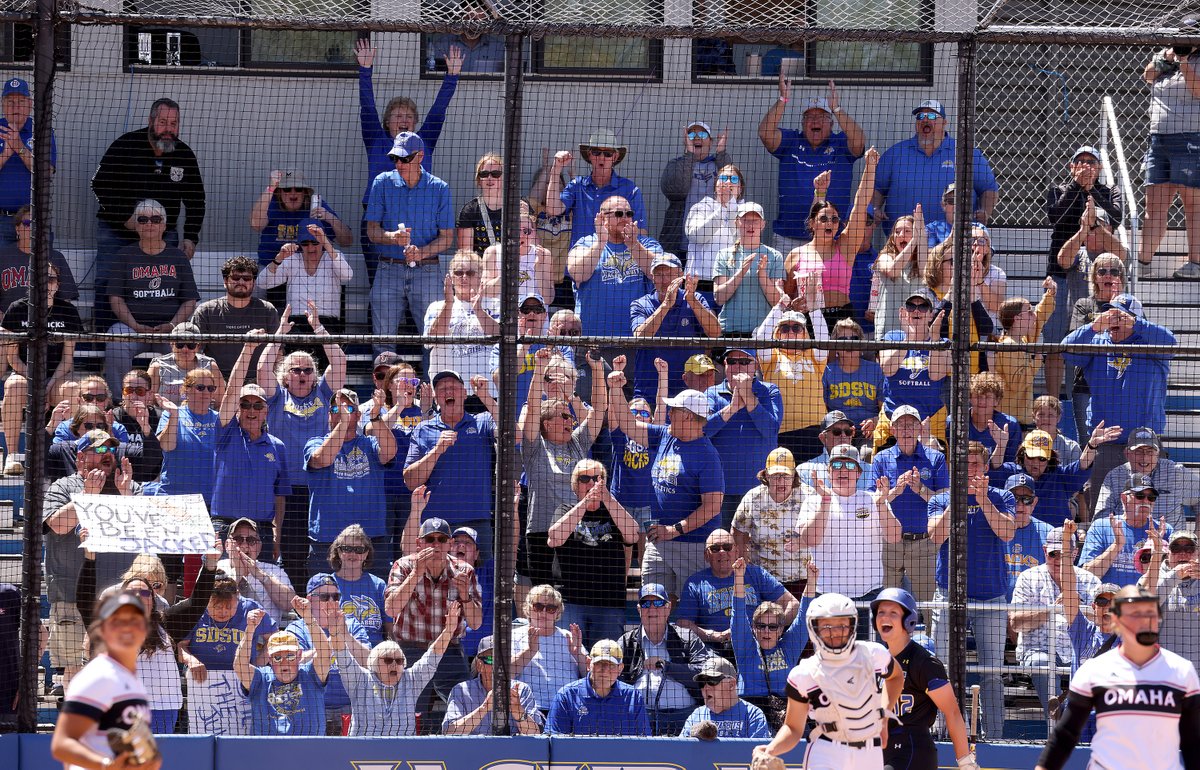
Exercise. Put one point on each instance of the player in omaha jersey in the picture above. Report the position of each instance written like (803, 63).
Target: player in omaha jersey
(842, 688)
(1147, 699)
(926, 689)
(107, 692)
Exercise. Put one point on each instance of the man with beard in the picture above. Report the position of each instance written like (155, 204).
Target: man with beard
(238, 312)
(146, 163)
(16, 153)
(97, 473)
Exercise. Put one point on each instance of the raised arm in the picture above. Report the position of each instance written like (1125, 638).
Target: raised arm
(856, 230)
(232, 397)
(245, 649)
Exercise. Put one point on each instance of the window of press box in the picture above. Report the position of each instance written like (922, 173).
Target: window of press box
(16, 44)
(552, 55)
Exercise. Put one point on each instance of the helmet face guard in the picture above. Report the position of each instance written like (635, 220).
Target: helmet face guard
(827, 607)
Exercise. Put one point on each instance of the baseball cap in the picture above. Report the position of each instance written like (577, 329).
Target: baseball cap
(1126, 303)
(1107, 588)
(486, 644)
(715, 669)
(668, 259)
(94, 439)
(750, 208)
(921, 293)
(253, 391)
(434, 526)
(16, 86)
(302, 233)
(692, 400)
(1038, 444)
(1019, 481)
(1133, 593)
(930, 104)
(243, 522)
(606, 650)
(845, 452)
(1054, 538)
(387, 358)
(118, 600)
(1086, 149)
(905, 410)
(532, 295)
(1182, 534)
(347, 394)
(294, 178)
(816, 103)
(780, 460)
(443, 374)
(654, 590)
(1141, 437)
(406, 143)
(282, 641)
(833, 418)
(949, 191)
(318, 581)
(699, 124)
(748, 351)
(470, 532)
(699, 364)
(1139, 482)
(790, 316)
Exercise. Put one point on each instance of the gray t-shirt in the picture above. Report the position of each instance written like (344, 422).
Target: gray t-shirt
(170, 374)
(217, 316)
(548, 470)
(64, 557)
(1173, 109)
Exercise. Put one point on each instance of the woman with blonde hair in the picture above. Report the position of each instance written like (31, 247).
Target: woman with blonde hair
(463, 311)
(798, 374)
(535, 272)
(480, 220)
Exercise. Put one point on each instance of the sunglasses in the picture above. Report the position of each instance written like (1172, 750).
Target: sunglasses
(730, 178)
(917, 307)
(103, 450)
(1086, 162)
(604, 153)
(92, 425)
(927, 116)
(848, 339)
(205, 388)
(567, 416)
(620, 213)
(790, 328)
(242, 278)
(486, 660)
(301, 370)
(284, 657)
(828, 218)
(1183, 548)
(93, 398)
(642, 413)
(412, 382)
(539, 607)
(358, 549)
(137, 390)
(246, 539)
(980, 240)
(767, 626)
(720, 547)
(436, 539)
(143, 593)
(309, 243)
(1053, 554)
(1102, 601)
(699, 135)
(739, 361)
(255, 406)
(406, 159)
(489, 175)
(1115, 272)
(1025, 499)
(533, 310)
(186, 345)
(464, 273)
(1151, 496)
(1145, 558)
(331, 596)
(388, 660)
(25, 223)
(345, 408)
(570, 332)
(588, 478)
(710, 682)
(844, 465)
(652, 602)
(844, 432)
(152, 220)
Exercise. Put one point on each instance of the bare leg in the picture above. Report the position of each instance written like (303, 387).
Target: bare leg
(1158, 203)
(1191, 209)
(16, 390)
(1054, 373)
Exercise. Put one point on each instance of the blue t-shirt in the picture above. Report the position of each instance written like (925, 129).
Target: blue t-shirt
(984, 436)
(741, 720)
(1100, 537)
(910, 508)
(681, 473)
(374, 134)
(393, 483)
(486, 575)
(987, 572)
(907, 176)
(15, 178)
(249, 474)
(335, 692)
(1054, 489)
(680, 321)
(362, 600)
(188, 468)
(631, 483)
(296, 420)
(799, 164)
(911, 384)
(424, 209)
(858, 395)
(1025, 550)
(295, 708)
(707, 600)
(765, 672)
(617, 282)
(744, 441)
(215, 644)
(583, 198)
(283, 227)
(578, 710)
(460, 486)
(347, 491)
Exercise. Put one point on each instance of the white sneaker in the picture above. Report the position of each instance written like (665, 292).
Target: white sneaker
(1189, 271)
(14, 467)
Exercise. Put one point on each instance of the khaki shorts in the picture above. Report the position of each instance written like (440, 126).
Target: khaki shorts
(66, 635)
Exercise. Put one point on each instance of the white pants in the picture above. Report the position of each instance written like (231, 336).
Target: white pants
(826, 755)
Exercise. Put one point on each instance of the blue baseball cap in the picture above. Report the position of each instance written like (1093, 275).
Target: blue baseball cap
(653, 590)
(319, 580)
(302, 233)
(406, 143)
(1018, 480)
(1126, 303)
(16, 86)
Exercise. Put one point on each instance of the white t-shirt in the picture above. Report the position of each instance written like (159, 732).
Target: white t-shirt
(851, 555)
(256, 590)
(1137, 707)
(467, 360)
(110, 694)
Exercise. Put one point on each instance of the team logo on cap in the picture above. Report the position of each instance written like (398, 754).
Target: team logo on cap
(14, 83)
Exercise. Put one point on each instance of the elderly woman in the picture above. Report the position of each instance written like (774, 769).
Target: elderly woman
(287, 696)
(710, 224)
(479, 221)
(464, 311)
(744, 303)
(767, 521)
(546, 657)
(555, 434)
(590, 538)
(315, 272)
(362, 593)
(187, 434)
(763, 649)
(384, 693)
(534, 270)
(899, 268)
(469, 711)
(281, 210)
(1107, 279)
(151, 290)
(798, 373)
(167, 372)
(821, 269)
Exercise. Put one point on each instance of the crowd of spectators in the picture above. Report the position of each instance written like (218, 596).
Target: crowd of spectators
(736, 481)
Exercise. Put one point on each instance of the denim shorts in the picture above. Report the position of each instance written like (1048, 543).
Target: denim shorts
(1174, 159)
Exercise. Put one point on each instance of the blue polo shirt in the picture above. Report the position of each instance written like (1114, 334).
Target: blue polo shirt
(1025, 550)
(296, 420)
(858, 394)
(335, 692)
(681, 473)
(347, 491)
(707, 600)
(249, 474)
(1054, 489)
(215, 644)
(15, 179)
(907, 176)
(748, 437)
(1099, 538)
(424, 209)
(578, 710)
(987, 572)
(582, 199)
(799, 164)
(910, 508)
(615, 284)
(631, 483)
(460, 486)
(985, 437)
(680, 321)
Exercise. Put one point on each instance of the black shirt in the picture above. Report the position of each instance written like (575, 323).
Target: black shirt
(922, 672)
(62, 317)
(593, 560)
(14, 275)
(1064, 206)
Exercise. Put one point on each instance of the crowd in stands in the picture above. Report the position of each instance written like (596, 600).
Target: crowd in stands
(737, 482)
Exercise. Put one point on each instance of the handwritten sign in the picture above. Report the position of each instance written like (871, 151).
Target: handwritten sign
(217, 706)
(134, 524)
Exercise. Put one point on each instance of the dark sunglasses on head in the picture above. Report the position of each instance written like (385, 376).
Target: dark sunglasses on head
(137, 390)
(844, 465)
(358, 549)
(246, 539)
(205, 388)
(917, 307)
(186, 345)
(1151, 496)
(652, 601)
(719, 547)
(1115, 272)
(256, 406)
(92, 398)
(1025, 499)
(588, 478)
(540, 607)
(767, 626)
(151, 220)
(730, 178)
(490, 174)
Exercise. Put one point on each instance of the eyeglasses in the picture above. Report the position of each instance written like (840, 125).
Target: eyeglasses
(436, 539)
(137, 390)
(381, 374)
(255, 406)
(603, 153)
(1102, 601)
(412, 382)
(464, 273)
(331, 596)
(1151, 496)
(917, 307)
(739, 361)
(486, 660)
(93, 398)
(720, 547)
(301, 370)
(358, 549)
(92, 426)
(284, 657)
(641, 413)
(730, 178)
(927, 116)
(652, 602)
(1053, 554)
(980, 240)
(406, 159)
(1025, 499)
(588, 478)
(843, 432)
(539, 607)
(152, 220)
(533, 310)
(143, 593)
(827, 218)
(292, 189)
(767, 626)
(1115, 272)
(790, 328)
(242, 278)
(843, 465)
(1145, 558)
(344, 408)
(205, 388)
(246, 539)
(102, 450)
(489, 174)
(699, 135)
(567, 417)
(388, 660)
(620, 213)
(1177, 548)
(186, 345)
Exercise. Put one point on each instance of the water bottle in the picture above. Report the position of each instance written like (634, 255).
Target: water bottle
(922, 638)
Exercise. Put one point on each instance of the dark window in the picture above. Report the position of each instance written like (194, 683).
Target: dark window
(16, 44)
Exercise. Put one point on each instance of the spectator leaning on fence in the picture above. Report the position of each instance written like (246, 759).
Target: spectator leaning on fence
(730, 715)
(287, 696)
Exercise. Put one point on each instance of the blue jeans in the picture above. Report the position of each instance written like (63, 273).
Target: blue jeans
(1042, 682)
(119, 354)
(596, 623)
(990, 630)
(398, 290)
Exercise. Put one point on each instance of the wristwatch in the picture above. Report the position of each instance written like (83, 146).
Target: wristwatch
(678, 526)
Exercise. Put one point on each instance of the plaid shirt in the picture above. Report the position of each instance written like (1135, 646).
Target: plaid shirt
(425, 614)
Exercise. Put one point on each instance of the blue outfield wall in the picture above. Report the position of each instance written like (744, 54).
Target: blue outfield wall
(32, 752)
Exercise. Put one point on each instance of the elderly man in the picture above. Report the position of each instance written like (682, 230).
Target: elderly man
(346, 478)
(804, 155)
(730, 716)
(689, 178)
(420, 589)
(1043, 640)
(699, 373)
(745, 414)
(469, 711)
(584, 196)
(410, 218)
(915, 473)
(836, 430)
(16, 153)
(287, 696)
(660, 661)
(446, 449)
(1177, 584)
(917, 171)
(262, 581)
(706, 604)
(674, 309)
(98, 473)
(1108, 550)
(1026, 550)
(238, 312)
(600, 704)
(1177, 484)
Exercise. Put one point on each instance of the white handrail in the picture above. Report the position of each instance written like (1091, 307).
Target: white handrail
(1109, 128)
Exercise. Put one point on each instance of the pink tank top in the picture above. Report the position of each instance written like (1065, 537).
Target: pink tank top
(837, 274)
